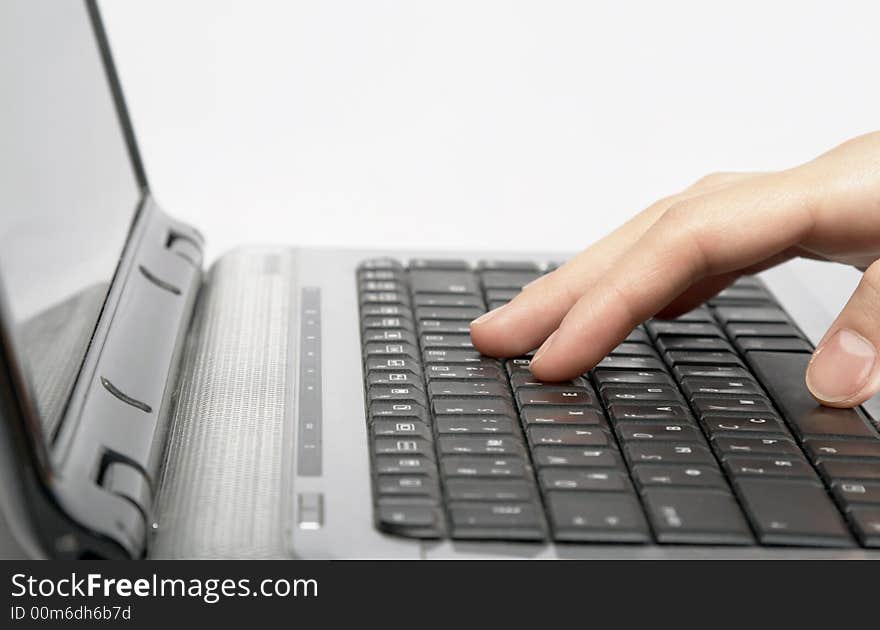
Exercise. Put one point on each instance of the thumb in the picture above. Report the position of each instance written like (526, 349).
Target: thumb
(845, 368)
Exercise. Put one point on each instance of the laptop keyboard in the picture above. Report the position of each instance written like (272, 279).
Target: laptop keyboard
(695, 431)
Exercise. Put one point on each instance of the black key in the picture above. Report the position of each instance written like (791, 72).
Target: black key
(387, 310)
(403, 446)
(391, 349)
(608, 377)
(568, 436)
(468, 388)
(666, 413)
(385, 322)
(696, 516)
(501, 295)
(703, 358)
(782, 374)
(690, 329)
(659, 432)
(473, 406)
(435, 281)
(627, 349)
(553, 396)
(389, 335)
(597, 516)
(399, 393)
(705, 404)
(525, 378)
(762, 330)
(785, 512)
(817, 448)
(577, 457)
(388, 409)
(389, 273)
(480, 372)
(777, 446)
(852, 492)
(490, 490)
(449, 312)
(384, 297)
(631, 363)
(473, 445)
(385, 377)
(483, 467)
(408, 485)
(733, 295)
(508, 279)
(736, 386)
(496, 520)
(836, 469)
(411, 520)
(584, 479)
(791, 467)
(401, 364)
(751, 314)
(668, 453)
(445, 326)
(394, 428)
(417, 464)
(745, 425)
(507, 265)
(548, 415)
(638, 335)
(775, 344)
(449, 299)
(476, 424)
(630, 394)
(647, 475)
(699, 314)
(368, 286)
(441, 264)
(866, 523)
(669, 343)
(748, 282)
(710, 371)
(447, 341)
(493, 304)
(457, 357)
(379, 263)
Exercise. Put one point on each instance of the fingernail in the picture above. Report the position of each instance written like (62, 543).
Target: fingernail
(485, 317)
(543, 349)
(840, 368)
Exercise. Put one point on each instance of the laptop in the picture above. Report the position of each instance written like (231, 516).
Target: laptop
(305, 403)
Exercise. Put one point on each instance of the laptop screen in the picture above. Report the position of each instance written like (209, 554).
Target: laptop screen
(68, 192)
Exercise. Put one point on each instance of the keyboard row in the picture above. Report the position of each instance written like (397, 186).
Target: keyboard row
(670, 438)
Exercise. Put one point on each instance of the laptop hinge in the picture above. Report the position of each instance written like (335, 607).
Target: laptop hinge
(109, 448)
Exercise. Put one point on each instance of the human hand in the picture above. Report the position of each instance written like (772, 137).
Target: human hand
(687, 247)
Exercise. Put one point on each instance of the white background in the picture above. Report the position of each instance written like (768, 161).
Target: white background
(476, 124)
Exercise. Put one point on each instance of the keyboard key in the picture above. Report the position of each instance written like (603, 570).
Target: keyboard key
(496, 520)
(392, 428)
(668, 453)
(447, 342)
(387, 323)
(445, 326)
(473, 406)
(719, 424)
(693, 386)
(468, 388)
(785, 512)
(554, 396)
(710, 371)
(449, 312)
(696, 516)
(525, 378)
(473, 445)
(584, 479)
(632, 377)
(436, 281)
(391, 349)
(501, 295)
(442, 264)
(569, 415)
(483, 467)
(669, 343)
(460, 356)
(663, 412)
(507, 265)
(659, 432)
(597, 517)
(568, 436)
(398, 410)
(866, 523)
(751, 314)
(689, 329)
(397, 393)
(444, 372)
(631, 363)
(762, 330)
(703, 358)
(817, 448)
(403, 446)
(634, 350)
(383, 377)
(389, 464)
(387, 310)
(685, 476)
(401, 364)
(389, 335)
(577, 457)
(508, 279)
(775, 344)
(636, 394)
(705, 404)
(778, 446)
(408, 485)
(449, 299)
(467, 425)
(849, 493)
(411, 520)
(750, 466)
(836, 469)
(490, 490)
